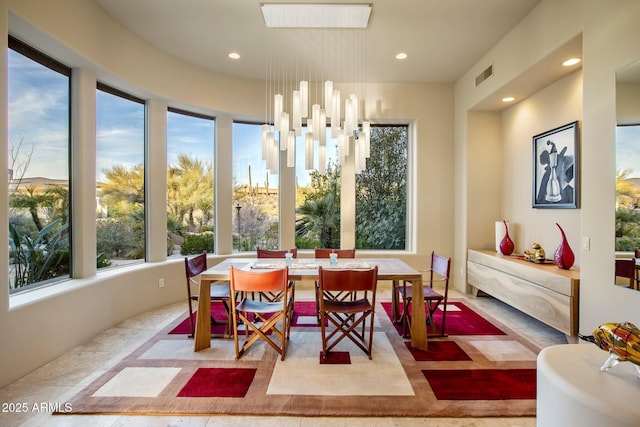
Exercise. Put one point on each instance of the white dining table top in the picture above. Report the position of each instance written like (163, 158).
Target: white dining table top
(307, 268)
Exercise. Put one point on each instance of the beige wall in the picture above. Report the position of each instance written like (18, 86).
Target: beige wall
(553, 106)
(42, 324)
(628, 102)
(610, 42)
(485, 182)
(550, 25)
(610, 33)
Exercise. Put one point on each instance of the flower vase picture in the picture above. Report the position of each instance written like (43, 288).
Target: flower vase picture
(506, 245)
(555, 168)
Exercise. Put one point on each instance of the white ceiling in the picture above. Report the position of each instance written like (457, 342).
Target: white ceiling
(443, 38)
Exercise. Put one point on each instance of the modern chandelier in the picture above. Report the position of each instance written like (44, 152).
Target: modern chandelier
(300, 91)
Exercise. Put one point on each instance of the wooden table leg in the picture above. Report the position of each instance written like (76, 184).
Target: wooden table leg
(394, 300)
(418, 319)
(202, 337)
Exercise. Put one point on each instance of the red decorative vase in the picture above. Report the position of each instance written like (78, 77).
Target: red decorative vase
(564, 256)
(506, 245)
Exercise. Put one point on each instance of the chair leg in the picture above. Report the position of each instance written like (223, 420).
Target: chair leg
(406, 319)
(347, 327)
(430, 310)
(260, 332)
(371, 334)
(443, 333)
(318, 296)
(191, 321)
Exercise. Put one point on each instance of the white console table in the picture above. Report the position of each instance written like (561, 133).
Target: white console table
(542, 291)
(572, 391)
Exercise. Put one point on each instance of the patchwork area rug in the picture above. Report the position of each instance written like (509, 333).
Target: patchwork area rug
(482, 369)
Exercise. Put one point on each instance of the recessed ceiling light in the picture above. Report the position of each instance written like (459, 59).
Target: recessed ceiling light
(508, 99)
(571, 61)
(234, 55)
(401, 55)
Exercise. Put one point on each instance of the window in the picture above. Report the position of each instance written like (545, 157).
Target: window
(39, 214)
(627, 187)
(381, 195)
(190, 189)
(318, 197)
(255, 192)
(120, 153)
(381, 191)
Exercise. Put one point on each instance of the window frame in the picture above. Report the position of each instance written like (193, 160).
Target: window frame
(211, 118)
(100, 86)
(28, 51)
(408, 243)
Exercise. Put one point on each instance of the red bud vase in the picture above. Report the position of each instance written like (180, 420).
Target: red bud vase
(564, 256)
(506, 245)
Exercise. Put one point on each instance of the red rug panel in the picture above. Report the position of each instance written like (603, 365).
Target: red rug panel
(219, 315)
(336, 358)
(218, 382)
(482, 384)
(439, 351)
(462, 322)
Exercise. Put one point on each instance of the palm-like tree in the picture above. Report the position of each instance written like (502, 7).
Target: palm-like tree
(190, 186)
(123, 188)
(31, 199)
(319, 215)
(54, 201)
(320, 219)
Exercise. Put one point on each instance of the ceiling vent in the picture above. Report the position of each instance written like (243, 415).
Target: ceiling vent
(484, 75)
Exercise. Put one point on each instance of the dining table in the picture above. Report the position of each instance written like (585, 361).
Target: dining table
(303, 269)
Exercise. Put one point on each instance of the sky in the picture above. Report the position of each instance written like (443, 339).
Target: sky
(627, 149)
(38, 112)
(37, 119)
(119, 133)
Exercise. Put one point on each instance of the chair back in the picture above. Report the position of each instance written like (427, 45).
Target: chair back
(626, 268)
(268, 253)
(342, 253)
(440, 265)
(348, 280)
(263, 281)
(195, 265)
(636, 253)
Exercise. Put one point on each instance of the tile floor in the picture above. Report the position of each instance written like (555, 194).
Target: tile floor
(66, 375)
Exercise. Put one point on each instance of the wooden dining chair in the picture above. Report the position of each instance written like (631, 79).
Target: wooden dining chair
(439, 272)
(219, 292)
(342, 253)
(349, 316)
(323, 253)
(260, 317)
(269, 253)
(636, 276)
(626, 268)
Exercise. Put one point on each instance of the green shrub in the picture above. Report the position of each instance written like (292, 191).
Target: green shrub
(197, 243)
(307, 243)
(40, 259)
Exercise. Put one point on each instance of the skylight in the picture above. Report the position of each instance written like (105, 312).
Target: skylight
(291, 15)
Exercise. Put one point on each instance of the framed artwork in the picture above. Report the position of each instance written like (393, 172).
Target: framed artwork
(555, 168)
